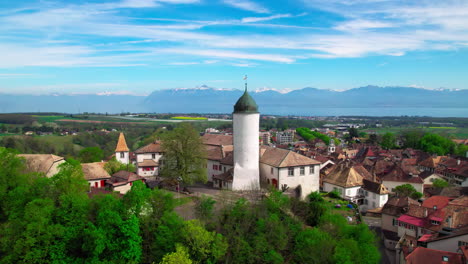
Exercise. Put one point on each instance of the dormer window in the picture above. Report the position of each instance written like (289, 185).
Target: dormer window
(445, 258)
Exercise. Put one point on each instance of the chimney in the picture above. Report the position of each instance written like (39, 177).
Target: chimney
(458, 162)
(425, 212)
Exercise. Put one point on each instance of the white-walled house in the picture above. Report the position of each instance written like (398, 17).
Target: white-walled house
(46, 164)
(148, 159)
(397, 176)
(287, 169)
(122, 181)
(375, 195)
(356, 184)
(95, 174)
(346, 180)
(429, 177)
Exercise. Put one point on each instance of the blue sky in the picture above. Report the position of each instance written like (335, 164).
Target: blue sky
(138, 46)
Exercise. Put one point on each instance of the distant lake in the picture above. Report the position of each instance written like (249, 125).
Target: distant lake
(381, 111)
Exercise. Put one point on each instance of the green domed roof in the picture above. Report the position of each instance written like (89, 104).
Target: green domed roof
(246, 104)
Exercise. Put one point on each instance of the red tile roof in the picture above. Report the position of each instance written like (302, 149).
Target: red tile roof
(432, 256)
(412, 220)
(438, 201)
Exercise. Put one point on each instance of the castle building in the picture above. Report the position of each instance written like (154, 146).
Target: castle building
(122, 153)
(246, 123)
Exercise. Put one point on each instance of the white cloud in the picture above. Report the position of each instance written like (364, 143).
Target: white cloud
(247, 5)
(258, 19)
(229, 54)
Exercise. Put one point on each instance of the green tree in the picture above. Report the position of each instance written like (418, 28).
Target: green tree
(180, 256)
(204, 246)
(439, 183)
(462, 150)
(388, 141)
(204, 207)
(91, 154)
(433, 143)
(407, 190)
(412, 138)
(113, 166)
(184, 155)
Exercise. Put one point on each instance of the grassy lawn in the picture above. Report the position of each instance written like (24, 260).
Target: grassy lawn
(344, 210)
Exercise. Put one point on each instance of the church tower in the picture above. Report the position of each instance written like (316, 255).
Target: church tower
(331, 146)
(246, 124)
(121, 151)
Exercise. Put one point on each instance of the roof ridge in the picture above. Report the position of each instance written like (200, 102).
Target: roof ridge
(281, 162)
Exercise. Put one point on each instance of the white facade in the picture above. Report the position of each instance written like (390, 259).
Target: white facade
(302, 176)
(450, 244)
(122, 157)
(391, 185)
(147, 171)
(213, 167)
(349, 192)
(372, 200)
(97, 183)
(429, 180)
(246, 151)
(148, 156)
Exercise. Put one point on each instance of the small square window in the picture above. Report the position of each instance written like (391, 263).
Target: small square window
(311, 169)
(153, 156)
(302, 171)
(291, 171)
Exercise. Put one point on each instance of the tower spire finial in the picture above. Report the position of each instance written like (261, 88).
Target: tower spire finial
(245, 79)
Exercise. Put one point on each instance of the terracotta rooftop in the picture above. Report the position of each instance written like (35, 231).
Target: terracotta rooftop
(432, 256)
(374, 187)
(438, 201)
(121, 144)
(148, 163)
(123, 177)
(217, 140)
(431, 162)
(153, 147)
(40, 163)
(399, 175)
(344, 176)
(281, 158)
(396, 206)
(94, 171)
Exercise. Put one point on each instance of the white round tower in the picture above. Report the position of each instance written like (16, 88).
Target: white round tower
(246, 124)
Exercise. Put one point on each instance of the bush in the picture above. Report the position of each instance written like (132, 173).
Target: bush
(334, 194)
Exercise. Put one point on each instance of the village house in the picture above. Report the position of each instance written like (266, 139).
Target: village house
(435, 214)
(391, 211)
(429, 256)
(46, 164)
(95, 174)
(218, 147)
(122, 181)
(283, 169)
(287, 170)
(148, 160)
(356, 184)
(398, 176)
